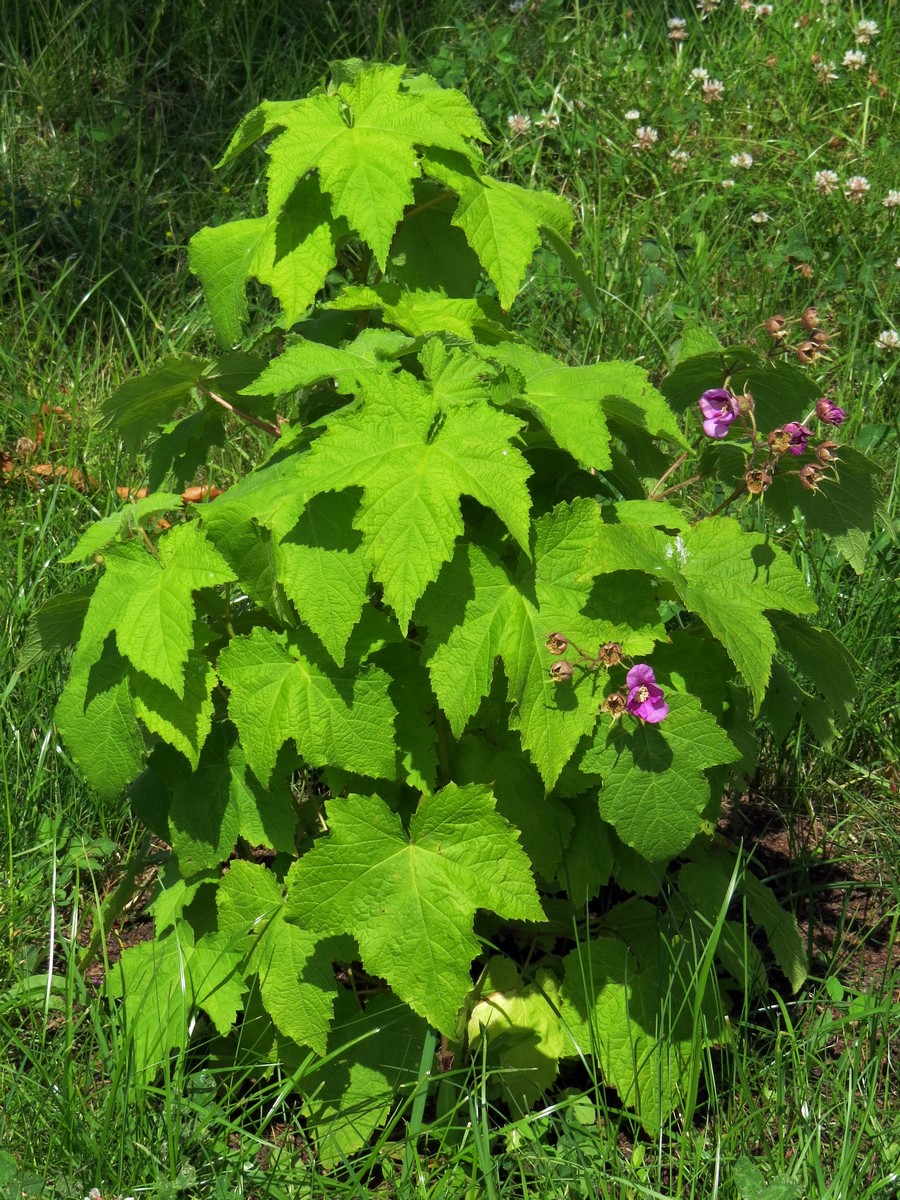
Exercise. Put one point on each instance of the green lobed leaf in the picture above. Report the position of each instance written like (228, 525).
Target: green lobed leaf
(413, 462)
(654, 790)
(54, 626)
(154, 625)
(164, 982)
(282, 689)
(420, 313)
(409, 900)
(183, 721)
(141, 405)
(296, 980)
(729, 578)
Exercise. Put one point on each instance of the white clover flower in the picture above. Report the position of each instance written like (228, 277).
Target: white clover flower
(826, 72)
(897, 264)
(826, 182)
(865, 31)
(676, 23)
(764, 10)
(633, 114)
(678, 159)
(888, 339)
(647, 137)
(854, 60)
(857, 186)
(700, 73)
(707, 6)
(760, 218)
(713, 89)
(742, 160)
(547, 120)
(892, 199)
(519, 123)
(727, 183)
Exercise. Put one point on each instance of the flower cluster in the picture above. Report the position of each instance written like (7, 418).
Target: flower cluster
(642, 695)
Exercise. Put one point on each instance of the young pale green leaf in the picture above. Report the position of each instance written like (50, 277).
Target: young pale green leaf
(154, 625)
(279, 691)
(311, 362)
(729, 578)
(164, 982)
(410, 900)
(521, 1026)
(413, 462)
(373, 1055)
(297, 983)
(654, 789)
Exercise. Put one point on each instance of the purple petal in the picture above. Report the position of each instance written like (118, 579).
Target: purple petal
(640, 673)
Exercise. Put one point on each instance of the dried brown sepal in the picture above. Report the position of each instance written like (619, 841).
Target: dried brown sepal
(562, 671)
(820, 337)
(614, 704)
(557, 643)
(775, 326)
(825, 452)
(610, 654)
(809, 318)
(758, 481)
(745, 402)
(811, 477)
(807, 352)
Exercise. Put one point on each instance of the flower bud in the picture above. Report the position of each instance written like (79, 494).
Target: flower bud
(828, 412)
(745, 403)
(810, 476)
(807, 352)
(775, 326)
(614, 704)
(758, 481)
(610, 654)
(556, 643)
(562, 671)
(810, 319)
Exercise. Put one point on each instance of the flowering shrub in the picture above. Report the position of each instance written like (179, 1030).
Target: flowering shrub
(338, 691)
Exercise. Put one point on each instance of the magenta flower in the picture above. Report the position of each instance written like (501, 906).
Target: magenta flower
(645, 696)
(828, 412)
(799, 435)
(719, 409)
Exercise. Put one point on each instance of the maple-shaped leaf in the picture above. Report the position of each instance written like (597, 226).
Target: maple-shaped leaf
(654, 789)
(477, 610)
(362, 138)
(309, 362)
(413, 462)
(374, 1055)
(182, 721)
(728, 577)
(282, 690)
(296, 982)
(520, 1023)
(632, 1007)
(153, 626)
(292, 249)
(141, 405)
(501, 220)
(54, 626)
(126, 521)
(164, 982)
(409, 900)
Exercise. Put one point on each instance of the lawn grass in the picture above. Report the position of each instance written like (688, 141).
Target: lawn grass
(110, 120)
